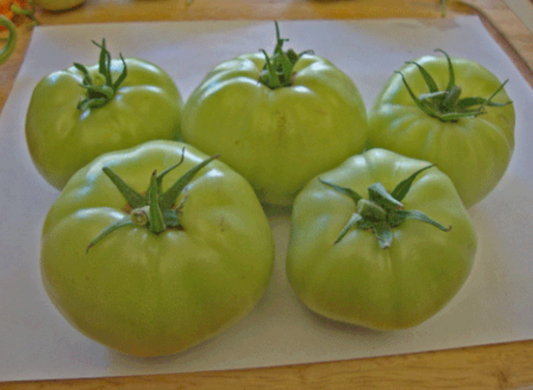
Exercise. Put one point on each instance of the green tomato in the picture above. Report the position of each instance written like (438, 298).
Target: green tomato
(457, 122)
(149, 291)
(77, 114)
(383, 261)
(278, 122)
(58, 5)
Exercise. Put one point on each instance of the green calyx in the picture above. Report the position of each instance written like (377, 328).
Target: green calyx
(101, 89)
(157, 210)
(447, 105)
(277, 71)
(382, 211)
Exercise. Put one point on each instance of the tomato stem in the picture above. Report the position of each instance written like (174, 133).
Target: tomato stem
(156, 221)
(278, 69)
(156, 211)
(102, 89)
(140, 216)
(169, 198)
(371, 210)
(107, 231)
(447, 105)
(383, 210)
(135, 200)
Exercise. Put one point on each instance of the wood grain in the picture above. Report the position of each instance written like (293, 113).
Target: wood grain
(504, 366)
(514, 37)
(495, 367)
(134, 10)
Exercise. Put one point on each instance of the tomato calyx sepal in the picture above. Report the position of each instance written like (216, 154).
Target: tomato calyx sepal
(101, 88)
(278, 69)
(382, 211)
(447, 105)
(156, 210)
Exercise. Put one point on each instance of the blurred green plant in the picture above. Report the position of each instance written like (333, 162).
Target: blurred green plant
(11, 40)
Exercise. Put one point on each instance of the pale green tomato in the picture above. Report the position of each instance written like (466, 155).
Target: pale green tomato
(150, 294)
(62, 138)
(356, 279)
(277, 138)
(474, 151)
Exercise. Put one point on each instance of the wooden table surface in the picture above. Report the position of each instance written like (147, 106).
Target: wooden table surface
(503, 366)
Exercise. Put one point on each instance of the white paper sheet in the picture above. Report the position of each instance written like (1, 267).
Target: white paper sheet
(495, 305)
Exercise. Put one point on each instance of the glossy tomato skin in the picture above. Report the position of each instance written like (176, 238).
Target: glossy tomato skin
(473, 152)
(278, 139)
(149, 294)
(357, 282)
(62, 139)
